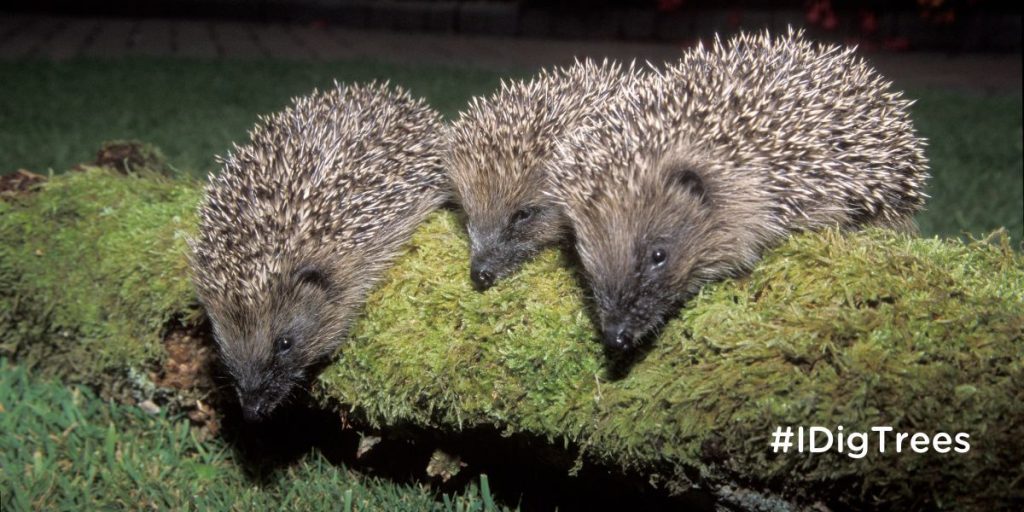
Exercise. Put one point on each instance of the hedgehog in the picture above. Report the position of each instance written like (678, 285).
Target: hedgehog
(496, 155)
(302, 221)
(687, 177)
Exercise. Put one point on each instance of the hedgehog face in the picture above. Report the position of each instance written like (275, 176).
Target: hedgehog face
(302, 221)
(499, 151)
(508, 217)
(641, 248)
(273, 348)
(503, 239)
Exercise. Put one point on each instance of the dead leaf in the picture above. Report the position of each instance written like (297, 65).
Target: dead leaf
(366, 443)
(444, 465)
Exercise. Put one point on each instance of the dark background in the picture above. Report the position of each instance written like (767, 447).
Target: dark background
(948, 25)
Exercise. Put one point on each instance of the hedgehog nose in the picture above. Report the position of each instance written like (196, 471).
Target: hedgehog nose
(482, 277)
(616, 335)
(254, 407)
(253, 410)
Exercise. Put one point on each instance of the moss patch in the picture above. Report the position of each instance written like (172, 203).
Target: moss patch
(92, 269)
(856, 330)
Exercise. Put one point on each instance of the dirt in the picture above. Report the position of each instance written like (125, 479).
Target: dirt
(190, 369)
(130, 156)
(18, 183)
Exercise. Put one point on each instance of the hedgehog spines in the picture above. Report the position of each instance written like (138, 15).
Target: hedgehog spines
(720, 156)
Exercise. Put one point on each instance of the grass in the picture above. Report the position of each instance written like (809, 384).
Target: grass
(976, 156)
(55, 115)
(65, 449)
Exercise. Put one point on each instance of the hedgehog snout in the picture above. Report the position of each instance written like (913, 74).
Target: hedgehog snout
(254, 404)
(253, 410)
(484, 270)
(258, 397)
(617, 334)
(482, 277)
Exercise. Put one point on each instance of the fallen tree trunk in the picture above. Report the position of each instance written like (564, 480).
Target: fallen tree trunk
(854, 330)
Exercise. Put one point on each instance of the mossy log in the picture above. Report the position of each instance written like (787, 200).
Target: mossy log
(859, 330)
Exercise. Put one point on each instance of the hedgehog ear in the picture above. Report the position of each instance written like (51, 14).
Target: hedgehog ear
(687, 179)
(313, 276)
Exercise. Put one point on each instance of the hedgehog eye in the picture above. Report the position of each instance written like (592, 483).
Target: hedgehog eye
(658, 257)
(521, 215)
(283, 344)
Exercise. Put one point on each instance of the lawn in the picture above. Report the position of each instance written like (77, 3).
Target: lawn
(66, 449)
(54, 115)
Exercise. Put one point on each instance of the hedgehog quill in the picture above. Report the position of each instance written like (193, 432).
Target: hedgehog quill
(301, 223)
(689, 177)
(497, 151)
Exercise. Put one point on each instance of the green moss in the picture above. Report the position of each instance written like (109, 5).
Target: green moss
(831, 329)
(469, 358)
(92, 269)
(856, 330)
